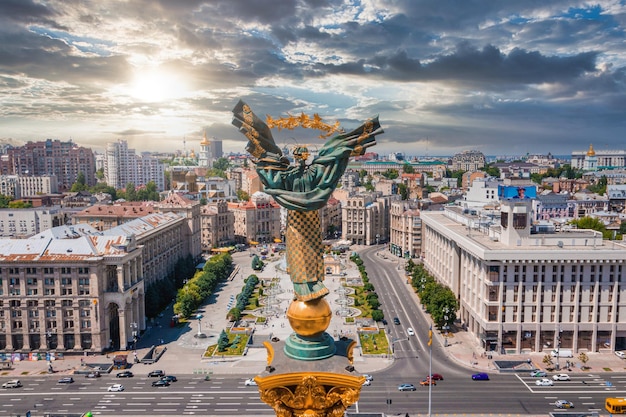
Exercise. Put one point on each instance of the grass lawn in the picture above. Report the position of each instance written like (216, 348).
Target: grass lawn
(232, 349)
(375, 343)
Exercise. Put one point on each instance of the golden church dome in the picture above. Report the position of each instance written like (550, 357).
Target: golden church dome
(591, 152)
(205, 141)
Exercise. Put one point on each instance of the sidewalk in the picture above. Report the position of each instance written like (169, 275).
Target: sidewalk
(185, 349)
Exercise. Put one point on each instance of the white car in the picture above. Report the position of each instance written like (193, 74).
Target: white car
(250, 381)
(561, 377)
(544, 382)
(410, 332)
(116, 388)
(620, 354)
(367, 382)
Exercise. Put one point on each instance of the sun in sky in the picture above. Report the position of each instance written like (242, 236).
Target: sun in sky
(156, 85)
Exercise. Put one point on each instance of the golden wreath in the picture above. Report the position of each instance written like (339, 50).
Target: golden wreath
(305, 122)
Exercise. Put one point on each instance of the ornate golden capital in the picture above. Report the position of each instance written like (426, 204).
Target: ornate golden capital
(310, 394)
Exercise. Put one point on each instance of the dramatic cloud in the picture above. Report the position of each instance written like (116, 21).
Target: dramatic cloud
(444, 76)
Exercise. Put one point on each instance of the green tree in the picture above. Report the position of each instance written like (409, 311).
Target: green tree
(408, 168)
(377, 315)
(583, 358)
(100, 174)
(19, 204)
(391, 174)
(222, 342)
(593, 224)
(221, 164)
(242, 195)
(80, 184)
(403, 190)
(491, 170)
(5, 200)
(599, 187)
(130, 194)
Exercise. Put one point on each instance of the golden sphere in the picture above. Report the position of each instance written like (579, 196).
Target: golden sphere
(309, 318)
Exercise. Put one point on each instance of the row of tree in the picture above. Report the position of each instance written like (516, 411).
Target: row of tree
(371, 297)
(438, 300)
(242, 298)
(203, 284)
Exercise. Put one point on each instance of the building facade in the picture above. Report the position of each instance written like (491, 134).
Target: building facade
(64, 160)
(405, 238)
(468, 161)
(365, 219)
(217, 225)
(257, 220)
(520, 292)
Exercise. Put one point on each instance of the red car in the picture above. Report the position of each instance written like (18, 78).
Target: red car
(437, 377)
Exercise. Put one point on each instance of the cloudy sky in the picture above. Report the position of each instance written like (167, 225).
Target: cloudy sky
(505, 77)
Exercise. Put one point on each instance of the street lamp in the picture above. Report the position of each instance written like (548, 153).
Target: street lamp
(558, 348)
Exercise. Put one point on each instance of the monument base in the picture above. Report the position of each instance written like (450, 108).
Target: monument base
(309, 348)
(299, 388)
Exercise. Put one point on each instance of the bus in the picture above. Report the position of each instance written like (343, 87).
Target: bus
(615, 405)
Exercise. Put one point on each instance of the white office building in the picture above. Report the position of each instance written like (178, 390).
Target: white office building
(520, 292)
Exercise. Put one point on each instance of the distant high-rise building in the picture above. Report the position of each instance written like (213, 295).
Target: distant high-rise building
(123, 166)
(65, 160)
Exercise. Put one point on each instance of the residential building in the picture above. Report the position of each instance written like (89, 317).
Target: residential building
(521, 292)
(217, 225)
(122, 166)
(405, 238)
(365, 219)
(20, 186)
(482, 191)
(257, 220)
(64, 160)
(25, 223)
(468, 161)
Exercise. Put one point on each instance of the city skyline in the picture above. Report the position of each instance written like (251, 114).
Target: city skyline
(504, 79)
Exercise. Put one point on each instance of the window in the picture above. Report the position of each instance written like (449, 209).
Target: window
(66, 291)
(66, 281)
(85, 313)
(66, 303)
(31, 291)
(49, 303)
(31, 271)
(48, 281)
(519, 220)
(48, 291)
(85, 324)
(51, 313)
(68, 313)
(83, 270)
(31, 281)
(68, 324)
(17, 324)
(66, 271)
(83, 281)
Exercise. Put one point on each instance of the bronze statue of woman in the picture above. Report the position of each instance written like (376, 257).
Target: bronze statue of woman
(302, 189)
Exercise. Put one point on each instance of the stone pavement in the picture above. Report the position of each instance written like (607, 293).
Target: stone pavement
(184, 349)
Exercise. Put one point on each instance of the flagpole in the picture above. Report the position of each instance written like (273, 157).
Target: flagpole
(430, 368)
